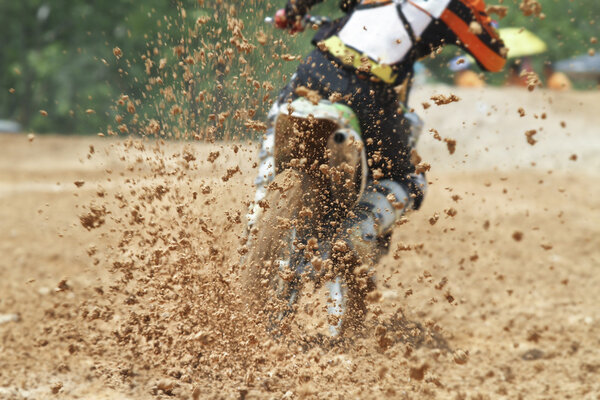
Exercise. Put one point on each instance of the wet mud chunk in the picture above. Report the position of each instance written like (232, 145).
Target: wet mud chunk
(212, 157)
(460, 357)
(517, 236)
(532, 355)
(93, 219)
(230, 173)
(531, 7)
(451, 144)
(475, 28)
(451, 212)
(532, 79)
(529, 135)
(62, 286)
(422, 167)
(312, 95)
(418, 372)
(255, 125)
(500, 11)
(56, 388)
(440, 99)
(434, 219)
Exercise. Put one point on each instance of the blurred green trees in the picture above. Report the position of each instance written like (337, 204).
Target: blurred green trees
(57, 56)
(184, 68)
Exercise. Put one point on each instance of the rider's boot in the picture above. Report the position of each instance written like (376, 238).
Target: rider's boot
(367, 233)
(382, 204)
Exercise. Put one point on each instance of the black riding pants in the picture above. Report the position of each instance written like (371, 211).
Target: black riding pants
(385, 131)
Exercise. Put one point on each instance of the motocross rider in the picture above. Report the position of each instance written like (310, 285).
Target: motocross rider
(367, 57)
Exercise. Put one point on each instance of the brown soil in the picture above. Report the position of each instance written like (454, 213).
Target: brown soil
(120, 275)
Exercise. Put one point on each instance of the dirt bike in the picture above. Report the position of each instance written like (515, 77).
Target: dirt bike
(317, 160)
(321, 171)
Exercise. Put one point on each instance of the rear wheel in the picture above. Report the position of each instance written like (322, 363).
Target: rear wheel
(273, 280)
(280, 269)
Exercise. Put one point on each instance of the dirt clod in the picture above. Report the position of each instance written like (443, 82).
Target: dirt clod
(441, 99)
(517, 236)
(418, 372)
(56, 387)
(460, 357)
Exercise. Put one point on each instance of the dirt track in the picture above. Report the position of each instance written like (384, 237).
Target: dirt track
(521, 258)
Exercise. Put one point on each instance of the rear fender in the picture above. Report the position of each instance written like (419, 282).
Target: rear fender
(324, 141)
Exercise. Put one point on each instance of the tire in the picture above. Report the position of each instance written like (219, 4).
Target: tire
(273, 260)
(271, 244)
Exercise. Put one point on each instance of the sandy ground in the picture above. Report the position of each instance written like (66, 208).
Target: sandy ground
(498, 301)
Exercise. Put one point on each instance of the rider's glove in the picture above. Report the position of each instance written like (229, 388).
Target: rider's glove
(282, 21)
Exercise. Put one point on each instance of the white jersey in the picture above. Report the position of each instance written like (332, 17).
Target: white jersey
(380, 30)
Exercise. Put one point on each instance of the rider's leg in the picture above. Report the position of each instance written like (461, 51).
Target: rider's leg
(398, 189)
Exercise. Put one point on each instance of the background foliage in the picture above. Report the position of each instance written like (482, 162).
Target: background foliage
(189, 68)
